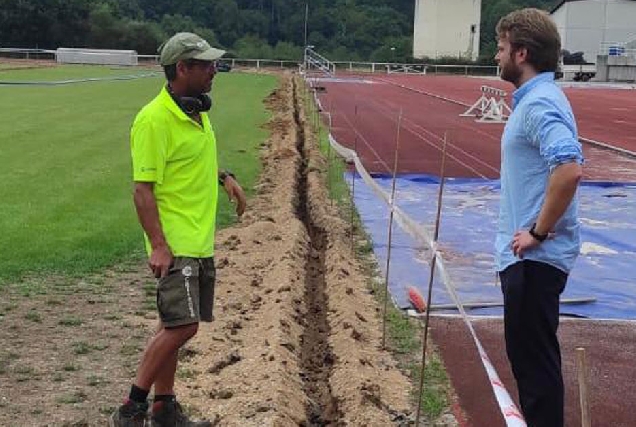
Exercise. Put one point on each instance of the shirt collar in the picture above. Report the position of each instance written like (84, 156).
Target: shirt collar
(170, 103)
(525, 88)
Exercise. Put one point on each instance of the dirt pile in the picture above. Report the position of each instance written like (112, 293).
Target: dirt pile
(296, 340)
(297, 332)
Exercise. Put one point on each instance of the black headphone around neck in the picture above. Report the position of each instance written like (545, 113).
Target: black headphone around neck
(192, 104)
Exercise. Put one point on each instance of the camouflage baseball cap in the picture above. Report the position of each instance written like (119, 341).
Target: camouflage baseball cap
(187, 46)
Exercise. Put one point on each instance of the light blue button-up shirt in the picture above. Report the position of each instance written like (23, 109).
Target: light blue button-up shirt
(540, 135)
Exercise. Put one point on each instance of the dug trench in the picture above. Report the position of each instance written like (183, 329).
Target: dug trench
(316, 355)
(297, 336)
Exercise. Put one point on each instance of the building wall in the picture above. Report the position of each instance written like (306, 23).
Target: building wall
(621, 21)
(560, 19)
(443, 28)
(585, 24)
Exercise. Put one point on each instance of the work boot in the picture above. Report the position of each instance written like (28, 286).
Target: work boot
(130, 414)
(170, 414)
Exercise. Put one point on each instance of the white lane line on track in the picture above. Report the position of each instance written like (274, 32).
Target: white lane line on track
(439, 147)
(588, 141)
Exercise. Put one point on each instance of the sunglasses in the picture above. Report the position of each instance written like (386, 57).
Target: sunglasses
(205, 65)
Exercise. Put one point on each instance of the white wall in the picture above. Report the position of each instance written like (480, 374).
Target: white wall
(66, 55)
(443, 28)
(585, 24)
(560, 19)
(621, 21)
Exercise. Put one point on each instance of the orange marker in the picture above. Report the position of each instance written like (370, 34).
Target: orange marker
(416, 300)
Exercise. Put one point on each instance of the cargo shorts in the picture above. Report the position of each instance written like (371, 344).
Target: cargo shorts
(186, 294)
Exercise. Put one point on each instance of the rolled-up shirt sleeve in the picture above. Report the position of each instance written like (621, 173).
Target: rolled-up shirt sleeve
(553, 132)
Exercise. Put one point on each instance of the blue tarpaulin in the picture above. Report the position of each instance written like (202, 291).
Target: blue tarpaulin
(605, 270)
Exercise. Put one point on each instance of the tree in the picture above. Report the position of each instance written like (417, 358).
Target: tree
(172, 24)
(252, 47)
(288, 51)
(105, 29)
(226, 21)
(253, 22)
(346, 29)
(144, 37)
(46, 24)
(208, 35)
(398, 50)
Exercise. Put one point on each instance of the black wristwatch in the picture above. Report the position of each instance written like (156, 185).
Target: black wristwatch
(539, 237)
(225, 174)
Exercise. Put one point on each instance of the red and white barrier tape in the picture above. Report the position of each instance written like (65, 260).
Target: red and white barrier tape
(509, 410)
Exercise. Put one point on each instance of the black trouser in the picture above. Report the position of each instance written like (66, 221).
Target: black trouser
(531, 317)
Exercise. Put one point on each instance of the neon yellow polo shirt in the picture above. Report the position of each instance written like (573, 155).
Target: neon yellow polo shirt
(179, 156)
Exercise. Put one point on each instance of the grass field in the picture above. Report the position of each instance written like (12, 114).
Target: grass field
(67, 72)
(66, 181)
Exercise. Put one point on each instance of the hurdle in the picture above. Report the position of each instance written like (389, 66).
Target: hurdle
(491, 106)
(406, 69)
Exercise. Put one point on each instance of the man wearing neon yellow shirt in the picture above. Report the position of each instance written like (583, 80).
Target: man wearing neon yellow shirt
(176, 190)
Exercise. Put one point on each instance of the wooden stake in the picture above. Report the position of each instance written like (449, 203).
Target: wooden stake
(353, 181)
(331, 113)
(581, 367)
(388, 255)
(316, 111)
(430, 281)
(315, 116)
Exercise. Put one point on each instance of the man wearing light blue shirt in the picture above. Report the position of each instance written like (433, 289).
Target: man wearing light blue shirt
(538, 235)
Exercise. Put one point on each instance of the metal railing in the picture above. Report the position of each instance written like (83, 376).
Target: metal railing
(312, 60)
(239, 62)
(30, 54)
(396, 67)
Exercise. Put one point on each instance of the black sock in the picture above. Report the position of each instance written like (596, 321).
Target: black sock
(138, 395)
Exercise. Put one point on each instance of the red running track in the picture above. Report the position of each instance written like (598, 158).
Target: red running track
(365, 117)
(602, 113)
(365, 112)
